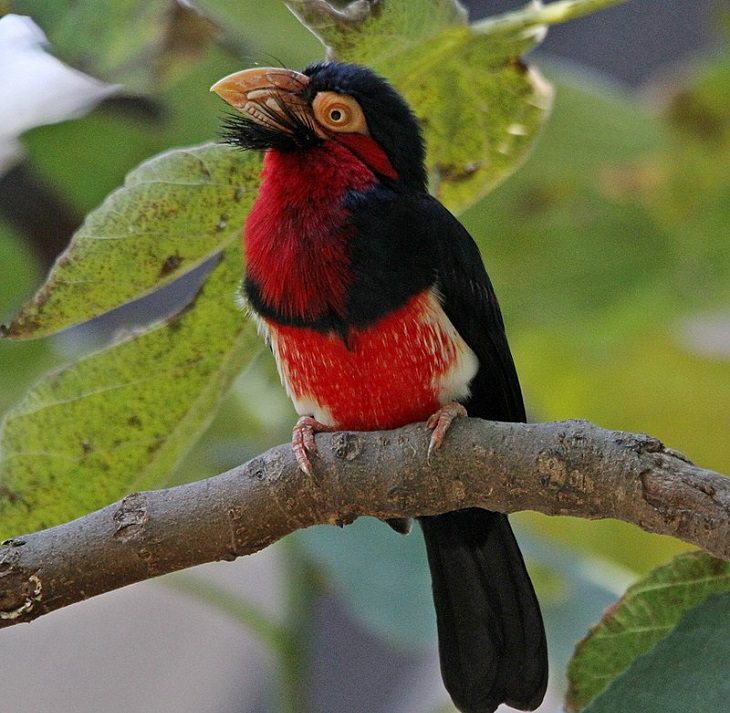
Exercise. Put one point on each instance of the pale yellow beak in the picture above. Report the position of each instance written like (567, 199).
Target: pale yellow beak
(261, 93)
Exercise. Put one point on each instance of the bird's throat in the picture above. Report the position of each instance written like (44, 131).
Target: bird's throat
(297, 234)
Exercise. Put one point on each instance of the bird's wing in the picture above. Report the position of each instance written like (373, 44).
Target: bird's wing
(470, 303)
(403, 244)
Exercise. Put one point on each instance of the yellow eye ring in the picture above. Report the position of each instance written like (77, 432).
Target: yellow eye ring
(339, 113)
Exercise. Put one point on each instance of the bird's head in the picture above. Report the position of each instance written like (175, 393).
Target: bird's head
(285, 110)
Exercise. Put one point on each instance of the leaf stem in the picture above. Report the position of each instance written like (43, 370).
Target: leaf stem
(289, 641)
(303, 587)
(251, 617)
(535, 15)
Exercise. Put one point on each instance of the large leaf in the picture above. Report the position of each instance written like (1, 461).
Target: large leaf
(381, 576)
(481, 108)
(687, 672)
(173, 213)
(122, 418)
(647, 612)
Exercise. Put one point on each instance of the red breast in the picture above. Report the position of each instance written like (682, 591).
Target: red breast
(296, 233)
(399, 370)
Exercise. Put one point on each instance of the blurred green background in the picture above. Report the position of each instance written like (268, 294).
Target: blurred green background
(608, 249)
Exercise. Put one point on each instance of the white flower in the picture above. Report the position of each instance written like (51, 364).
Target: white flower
(35, 87)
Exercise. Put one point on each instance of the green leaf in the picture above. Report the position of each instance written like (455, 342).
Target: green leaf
(119, 42)
(366, 32)
(123, 417)
(687, 672)
(647, 612)
(174, 212)
(480, 107)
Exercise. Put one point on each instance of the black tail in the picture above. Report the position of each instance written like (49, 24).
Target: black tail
(491, 636)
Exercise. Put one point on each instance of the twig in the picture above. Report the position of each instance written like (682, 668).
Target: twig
(533, 16)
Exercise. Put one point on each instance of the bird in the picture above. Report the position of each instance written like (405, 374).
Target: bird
(379, 312)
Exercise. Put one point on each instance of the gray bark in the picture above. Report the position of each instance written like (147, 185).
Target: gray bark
(567, 468)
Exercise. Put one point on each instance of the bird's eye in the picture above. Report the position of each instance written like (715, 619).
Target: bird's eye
(339, 112)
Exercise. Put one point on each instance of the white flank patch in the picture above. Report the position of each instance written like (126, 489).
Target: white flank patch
(453, 384)
(304, 405)
(307, 406)
(242, 303)
(262, 326)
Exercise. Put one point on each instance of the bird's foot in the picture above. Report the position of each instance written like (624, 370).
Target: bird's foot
(440, 421)
(302, 441)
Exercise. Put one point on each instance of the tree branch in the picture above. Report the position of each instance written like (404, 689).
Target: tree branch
(567, 468)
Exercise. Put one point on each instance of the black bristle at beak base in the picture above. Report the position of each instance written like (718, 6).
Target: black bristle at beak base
(287, 131)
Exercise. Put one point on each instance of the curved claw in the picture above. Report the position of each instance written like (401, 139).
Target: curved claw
(440, 421)
(303, 443)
